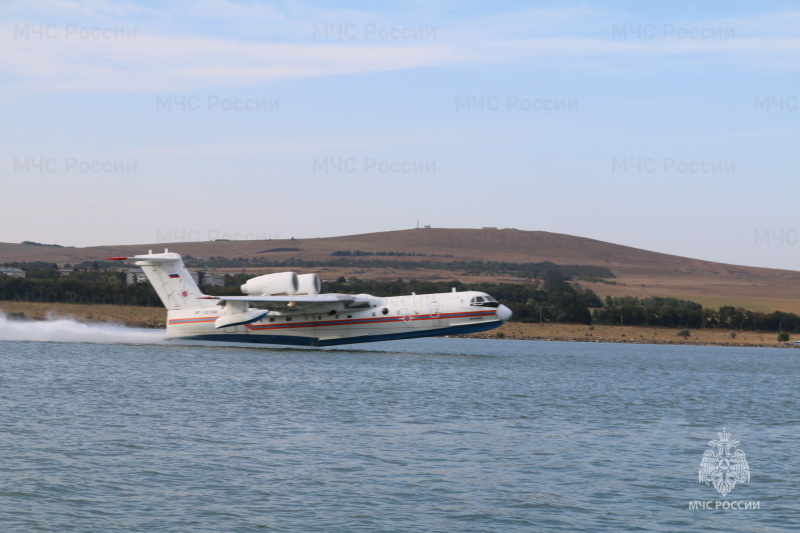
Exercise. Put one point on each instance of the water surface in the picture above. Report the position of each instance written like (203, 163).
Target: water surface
(418, 435)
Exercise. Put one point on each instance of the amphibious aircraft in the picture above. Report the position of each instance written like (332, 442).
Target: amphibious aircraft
(287, 308)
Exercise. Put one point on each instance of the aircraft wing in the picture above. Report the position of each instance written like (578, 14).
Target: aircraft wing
(291, 302)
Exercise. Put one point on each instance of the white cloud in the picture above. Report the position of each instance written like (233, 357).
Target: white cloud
(153, 63)
(125, 47)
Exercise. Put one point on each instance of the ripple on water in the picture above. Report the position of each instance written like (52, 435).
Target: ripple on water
(431, 434)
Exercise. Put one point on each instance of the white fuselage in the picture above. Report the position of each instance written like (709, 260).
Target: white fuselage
(373, 319)
(284, 308)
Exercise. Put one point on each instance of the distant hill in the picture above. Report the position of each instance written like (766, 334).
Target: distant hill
(639, 272)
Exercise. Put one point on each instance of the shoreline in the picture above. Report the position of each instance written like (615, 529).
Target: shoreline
(155, 318)
(635, 335)
(630, 341)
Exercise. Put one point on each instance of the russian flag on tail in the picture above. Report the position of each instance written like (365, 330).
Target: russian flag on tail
(174, 275)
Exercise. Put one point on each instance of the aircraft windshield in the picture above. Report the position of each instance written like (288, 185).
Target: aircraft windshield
(484, 301)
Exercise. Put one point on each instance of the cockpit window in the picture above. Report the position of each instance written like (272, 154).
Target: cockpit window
(484, 301)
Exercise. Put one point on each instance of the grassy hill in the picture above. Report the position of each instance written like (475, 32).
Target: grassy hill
(638, 272)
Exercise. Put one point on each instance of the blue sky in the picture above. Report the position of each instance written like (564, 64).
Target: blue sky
(666, 126)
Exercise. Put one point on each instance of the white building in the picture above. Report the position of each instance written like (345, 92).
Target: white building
(209, 279)
(214, 280)
(13, 272)
(135, 275)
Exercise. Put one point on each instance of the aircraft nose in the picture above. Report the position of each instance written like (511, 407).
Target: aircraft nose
(503, 313)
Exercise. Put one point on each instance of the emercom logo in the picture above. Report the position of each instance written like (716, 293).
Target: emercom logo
(724, 466)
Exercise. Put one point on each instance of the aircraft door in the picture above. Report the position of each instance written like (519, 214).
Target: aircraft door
(436, 314)
(405, 316)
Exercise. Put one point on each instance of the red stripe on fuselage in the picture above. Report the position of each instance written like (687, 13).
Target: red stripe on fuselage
(340, 322)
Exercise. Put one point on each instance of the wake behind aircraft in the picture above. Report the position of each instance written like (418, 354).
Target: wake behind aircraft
(286, 308)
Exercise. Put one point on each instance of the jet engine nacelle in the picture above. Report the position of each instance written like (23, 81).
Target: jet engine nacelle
(308, 284)
(272, 284)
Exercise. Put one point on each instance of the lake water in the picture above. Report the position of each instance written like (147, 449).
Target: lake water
(128, 433)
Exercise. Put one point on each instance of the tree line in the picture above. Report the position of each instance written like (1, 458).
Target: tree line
(361, 253)
(467, 268)
(670, 312)
(103, 290)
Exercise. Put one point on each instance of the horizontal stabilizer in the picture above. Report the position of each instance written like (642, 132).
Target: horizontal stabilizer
(144, 258)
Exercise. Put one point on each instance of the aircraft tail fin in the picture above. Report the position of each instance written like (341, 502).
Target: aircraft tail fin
(171, 280)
